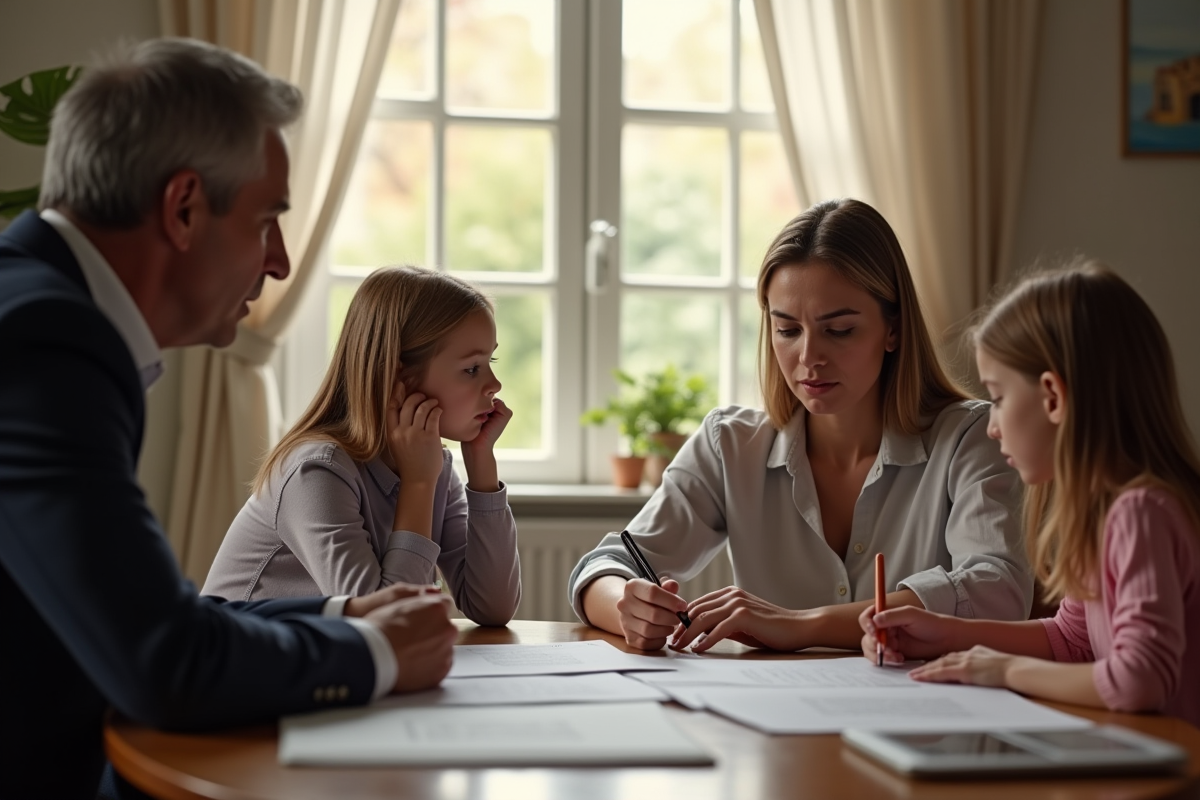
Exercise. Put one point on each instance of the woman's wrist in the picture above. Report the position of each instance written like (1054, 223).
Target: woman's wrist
(810, 625)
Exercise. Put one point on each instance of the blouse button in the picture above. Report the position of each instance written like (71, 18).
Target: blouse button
(858, 548)
(842, 590)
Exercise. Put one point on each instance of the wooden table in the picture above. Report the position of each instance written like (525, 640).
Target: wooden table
(243, 764)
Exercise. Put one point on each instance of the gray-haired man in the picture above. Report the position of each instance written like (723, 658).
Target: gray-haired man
(166, 173)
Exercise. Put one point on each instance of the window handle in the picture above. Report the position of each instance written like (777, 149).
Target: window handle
(597, 251)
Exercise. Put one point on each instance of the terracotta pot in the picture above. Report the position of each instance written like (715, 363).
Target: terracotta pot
(668, 445)
(627, 471)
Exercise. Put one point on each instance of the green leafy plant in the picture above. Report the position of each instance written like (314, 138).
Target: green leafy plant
(26, 106)
(660, 402)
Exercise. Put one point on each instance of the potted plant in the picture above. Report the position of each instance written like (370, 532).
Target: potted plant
(650, 414)
(26, 105)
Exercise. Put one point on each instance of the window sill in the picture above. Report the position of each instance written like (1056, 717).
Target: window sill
(575, 500)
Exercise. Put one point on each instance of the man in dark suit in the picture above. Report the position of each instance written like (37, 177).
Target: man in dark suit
(166, 174)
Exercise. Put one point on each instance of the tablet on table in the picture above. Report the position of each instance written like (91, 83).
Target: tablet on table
(1103, 750)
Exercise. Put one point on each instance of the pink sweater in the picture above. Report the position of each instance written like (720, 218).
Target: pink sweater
(1144, 632)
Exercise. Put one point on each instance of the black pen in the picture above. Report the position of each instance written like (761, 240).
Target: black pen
(643, 566)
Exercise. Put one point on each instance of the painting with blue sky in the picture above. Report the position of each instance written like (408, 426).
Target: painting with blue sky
(1162, 77)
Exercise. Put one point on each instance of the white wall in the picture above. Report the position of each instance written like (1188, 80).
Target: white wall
(1139, 215)
(43, 34)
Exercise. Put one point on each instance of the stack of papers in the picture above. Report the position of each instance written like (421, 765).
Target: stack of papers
(565, 658)
(569, 703)
(629, 734)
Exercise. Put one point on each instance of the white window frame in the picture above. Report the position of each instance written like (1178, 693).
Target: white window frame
(607, 115)
(582, 335)
(562, 370)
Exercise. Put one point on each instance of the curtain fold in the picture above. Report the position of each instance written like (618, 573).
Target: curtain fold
(334, 50)
(921, 108)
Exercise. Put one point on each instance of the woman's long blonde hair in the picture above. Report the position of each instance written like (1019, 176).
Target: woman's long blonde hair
(398, 316)
(856, 241)
(1123, 426)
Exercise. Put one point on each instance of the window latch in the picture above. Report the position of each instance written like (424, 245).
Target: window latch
(597, 251)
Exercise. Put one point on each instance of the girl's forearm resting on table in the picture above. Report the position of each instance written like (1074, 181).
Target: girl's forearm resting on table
(1052, 680)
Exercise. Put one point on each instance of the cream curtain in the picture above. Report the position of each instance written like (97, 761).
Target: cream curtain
(921, 108)
(334, 51)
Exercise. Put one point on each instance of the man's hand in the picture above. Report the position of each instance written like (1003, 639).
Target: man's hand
(361, 606)
(422, 637)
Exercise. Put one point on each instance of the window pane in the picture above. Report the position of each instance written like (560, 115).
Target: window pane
(768, 197)
(408, 70)
(384, 217)
(672, 185)
(749, 320)
(676, 53)
(340, 295)
(520, 322)
(756, 86)
(495, 197)
(500, 55)
(660, 328)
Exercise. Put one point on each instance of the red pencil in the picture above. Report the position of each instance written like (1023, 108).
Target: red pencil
(880, 606)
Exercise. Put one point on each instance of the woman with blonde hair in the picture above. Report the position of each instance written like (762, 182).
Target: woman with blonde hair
(865, 447)
(1086, 407)
(360, 493)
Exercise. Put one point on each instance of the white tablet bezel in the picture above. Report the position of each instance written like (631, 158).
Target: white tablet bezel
(1151, 755)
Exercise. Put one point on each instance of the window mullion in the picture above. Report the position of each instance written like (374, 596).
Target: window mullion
(436, 244)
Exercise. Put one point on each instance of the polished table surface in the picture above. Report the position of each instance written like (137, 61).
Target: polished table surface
(243, 764)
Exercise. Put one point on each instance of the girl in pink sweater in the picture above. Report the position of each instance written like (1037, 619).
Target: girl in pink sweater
(1085, 407)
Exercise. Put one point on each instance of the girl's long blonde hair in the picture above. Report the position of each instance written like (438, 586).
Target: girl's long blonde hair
(856, 241)
(394, 326)
(1124, 425)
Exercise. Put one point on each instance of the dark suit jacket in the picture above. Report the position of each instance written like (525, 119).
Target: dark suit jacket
(93, 609)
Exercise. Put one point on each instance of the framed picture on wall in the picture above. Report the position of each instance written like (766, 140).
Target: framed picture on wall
(1161, 78)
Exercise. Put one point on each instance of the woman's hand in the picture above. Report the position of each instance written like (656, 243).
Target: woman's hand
(911, 633)
(414, 441)
(979, 666)
(733, 613)
(648, 612)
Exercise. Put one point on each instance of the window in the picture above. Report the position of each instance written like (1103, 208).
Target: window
(504, 132)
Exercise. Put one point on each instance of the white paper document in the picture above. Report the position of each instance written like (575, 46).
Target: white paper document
(927, 707)
(826, 673)
(515, 690)
(617, 734)
(489, 660)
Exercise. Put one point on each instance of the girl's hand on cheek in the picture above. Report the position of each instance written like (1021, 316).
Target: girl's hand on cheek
(414, 439)
(490, 432)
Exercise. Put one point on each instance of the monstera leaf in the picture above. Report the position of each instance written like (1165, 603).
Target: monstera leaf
(16, 201)
(26, 103)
